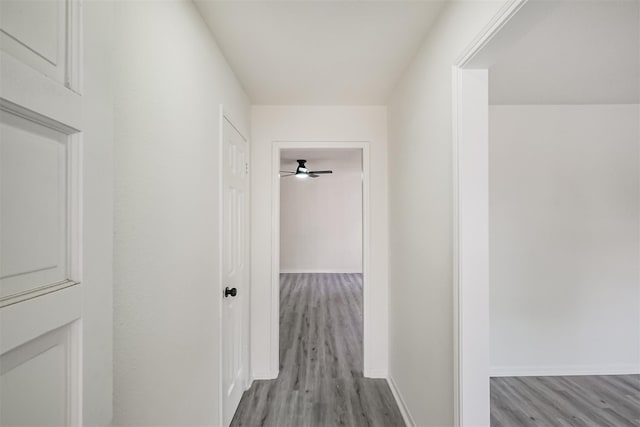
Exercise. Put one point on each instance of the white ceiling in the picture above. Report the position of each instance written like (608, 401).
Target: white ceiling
(576, 52)
(319, 52)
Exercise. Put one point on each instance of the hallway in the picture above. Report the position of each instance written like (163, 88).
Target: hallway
(167, 257)
(321, 381)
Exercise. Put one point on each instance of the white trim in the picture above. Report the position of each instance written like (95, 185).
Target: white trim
(319, 270)
(46, 313)
(459, 251)
(457, 375)
(75, 359)
(69, 336)
(496, 24)
(472, 222)
(377, 374)
(404, 409)
(75, 203)
(274, 320)
(36, 292)
(20, 111)
(247, 303)
(368, 370)
(220, 263)
(60, 105)
(73, 78)
(563, 370)
(257, 376)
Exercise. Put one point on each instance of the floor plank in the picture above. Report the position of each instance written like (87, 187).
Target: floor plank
(321, 380)
(589, 401)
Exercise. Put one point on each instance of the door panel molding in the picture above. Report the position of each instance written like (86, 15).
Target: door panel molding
(20, 385)
(25, 326)
(44, 136)
(45, 36)
(44, 314)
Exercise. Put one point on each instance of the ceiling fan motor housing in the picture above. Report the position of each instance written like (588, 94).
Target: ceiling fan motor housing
(301, 166)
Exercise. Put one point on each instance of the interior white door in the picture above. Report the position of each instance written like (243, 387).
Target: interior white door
(40, 225)
(235, 277)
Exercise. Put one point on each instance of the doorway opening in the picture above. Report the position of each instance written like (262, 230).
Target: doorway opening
(548, 209)
(321, 260)
(281, 161)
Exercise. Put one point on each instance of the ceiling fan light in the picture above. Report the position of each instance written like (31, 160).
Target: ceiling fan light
(301, 175)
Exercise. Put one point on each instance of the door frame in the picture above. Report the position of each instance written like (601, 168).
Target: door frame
(226, 115)
(470, 135)
(367, 318)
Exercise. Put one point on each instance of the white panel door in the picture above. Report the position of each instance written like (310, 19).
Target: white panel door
(235, 277)
(40, 213)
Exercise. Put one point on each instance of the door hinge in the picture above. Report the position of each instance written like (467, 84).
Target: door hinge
(246, 168)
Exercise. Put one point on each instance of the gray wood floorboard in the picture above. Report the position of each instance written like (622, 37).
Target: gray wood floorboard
(321, 380)
(576, 401)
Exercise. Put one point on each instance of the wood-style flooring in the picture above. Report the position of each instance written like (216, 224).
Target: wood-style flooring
(594, 401)
(321, 381)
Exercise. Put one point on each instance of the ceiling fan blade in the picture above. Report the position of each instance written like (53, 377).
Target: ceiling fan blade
(313, 175)
(287, 172)
(282, 175)
(320, 172)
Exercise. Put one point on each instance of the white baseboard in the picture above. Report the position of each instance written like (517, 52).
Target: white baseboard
(563, 370)
(406, 415)
(320, 270)
(265, 375)
(371, 373)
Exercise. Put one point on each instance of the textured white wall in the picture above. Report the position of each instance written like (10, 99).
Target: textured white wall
(171, 78)
(301, 123)
(98, 214)
(321, 218)
(420, 209)
(564, 239)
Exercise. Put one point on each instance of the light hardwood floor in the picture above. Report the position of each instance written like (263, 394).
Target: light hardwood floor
(321, 381)
(594, 401)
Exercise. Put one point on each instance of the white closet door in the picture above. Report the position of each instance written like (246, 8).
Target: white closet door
(40, 212)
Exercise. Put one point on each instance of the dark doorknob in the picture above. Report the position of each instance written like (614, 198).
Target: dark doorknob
(233, 292)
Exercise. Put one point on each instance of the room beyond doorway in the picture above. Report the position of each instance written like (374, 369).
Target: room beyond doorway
(370, 335)
(547, 186)
(321, 220)
(321, 213)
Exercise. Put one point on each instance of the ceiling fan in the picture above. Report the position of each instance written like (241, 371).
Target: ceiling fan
(303, 172)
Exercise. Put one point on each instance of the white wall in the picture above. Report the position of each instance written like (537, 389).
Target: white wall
(298, 123)
(420, 209)
(171, 78)
(98, 214)
(564, 239)
(321, 218)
